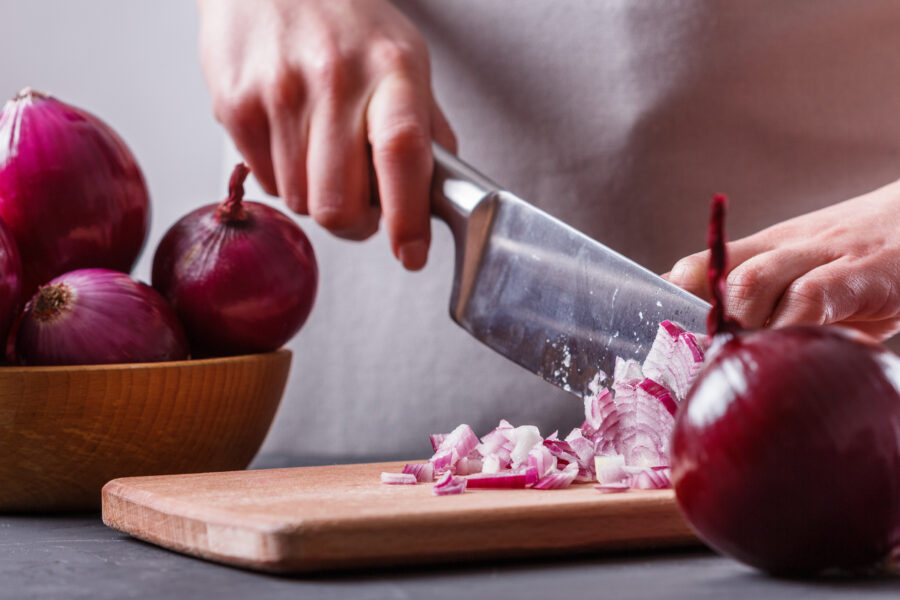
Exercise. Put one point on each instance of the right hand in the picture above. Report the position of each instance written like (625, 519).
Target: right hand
(308, 88)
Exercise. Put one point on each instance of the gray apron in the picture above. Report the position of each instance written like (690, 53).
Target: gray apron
(621, 118)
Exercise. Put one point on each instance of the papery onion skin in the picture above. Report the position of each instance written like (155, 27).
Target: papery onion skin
(98, 316)
(71, 191)
(10, 280)
(241, 279)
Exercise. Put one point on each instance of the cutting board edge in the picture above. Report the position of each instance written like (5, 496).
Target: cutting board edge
(308, 548)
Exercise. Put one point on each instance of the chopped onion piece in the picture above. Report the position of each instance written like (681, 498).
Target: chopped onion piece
(612, 488)
(558, 479)
(541, 460)
(651, 479)
(597, 407)
(610, 469)
(675, 358)
(448, 484)
(584, 454)
(437, 439)
(524, 439)
(421, 471)
(507, 479)
(467, 465)
(490, 464)
(627, 372)
(660, 393)
(398, 478)
(457, 444)
(562, 451)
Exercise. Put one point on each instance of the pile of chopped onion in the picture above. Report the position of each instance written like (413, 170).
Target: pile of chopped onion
(622, 444)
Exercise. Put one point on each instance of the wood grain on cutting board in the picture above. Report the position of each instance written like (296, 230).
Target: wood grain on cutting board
(342, 516)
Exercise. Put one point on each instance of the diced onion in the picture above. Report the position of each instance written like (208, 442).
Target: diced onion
(398, 478)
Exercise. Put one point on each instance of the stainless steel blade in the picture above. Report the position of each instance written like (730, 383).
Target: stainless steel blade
(541, 293)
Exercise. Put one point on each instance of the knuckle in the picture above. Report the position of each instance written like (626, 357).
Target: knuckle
(330, 71)
(810, 300)
(235, 111)
(282, 89)
(336, 219)
(399, 55)
(403, 140)
(744, 284)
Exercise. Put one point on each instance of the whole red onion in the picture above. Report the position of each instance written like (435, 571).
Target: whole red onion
(241, 276)
(70, 190)
(97, 316)
(786, 452)
(10, 280)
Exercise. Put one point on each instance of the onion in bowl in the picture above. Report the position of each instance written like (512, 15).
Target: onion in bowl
(241, 276)
(97, 316)
(71, 192)
(10, 280)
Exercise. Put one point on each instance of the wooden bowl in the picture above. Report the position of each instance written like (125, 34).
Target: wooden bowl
(65, 431)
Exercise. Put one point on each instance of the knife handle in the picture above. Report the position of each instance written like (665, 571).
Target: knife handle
(456, 188)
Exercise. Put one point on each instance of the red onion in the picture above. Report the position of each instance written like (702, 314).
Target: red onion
(241, 276)
(10, 280)
(70, 190)
(786, 452)
(97, 316)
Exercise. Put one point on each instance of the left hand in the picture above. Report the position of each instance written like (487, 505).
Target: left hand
(837, 265)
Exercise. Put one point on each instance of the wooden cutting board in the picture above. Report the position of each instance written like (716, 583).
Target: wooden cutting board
(339, 517)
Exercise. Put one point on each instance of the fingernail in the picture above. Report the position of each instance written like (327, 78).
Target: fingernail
(413, 255)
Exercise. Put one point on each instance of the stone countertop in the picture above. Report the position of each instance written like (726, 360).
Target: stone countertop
(78, 557)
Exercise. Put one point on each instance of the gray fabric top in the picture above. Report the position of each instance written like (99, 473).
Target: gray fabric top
(621, 118)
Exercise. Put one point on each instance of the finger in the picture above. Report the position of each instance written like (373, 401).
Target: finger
(441, 130)
(845, 293)
(337, 167)
(248, 127)
(399, 130)
(755, 286)
(289, 133)
(690, 273)
(819, 297)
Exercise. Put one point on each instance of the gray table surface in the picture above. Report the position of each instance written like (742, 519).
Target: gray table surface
(76, 556)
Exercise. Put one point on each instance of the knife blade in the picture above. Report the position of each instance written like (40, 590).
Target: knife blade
(543, 294)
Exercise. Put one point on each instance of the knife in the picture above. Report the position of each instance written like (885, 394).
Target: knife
(543, 294)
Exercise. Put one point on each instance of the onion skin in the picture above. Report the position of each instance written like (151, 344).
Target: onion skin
(10, 280)
(71, 192)
(241, 276)
(786, 451)
(98, 316)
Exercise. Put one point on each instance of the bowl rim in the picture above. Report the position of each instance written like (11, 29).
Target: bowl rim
(191, 362)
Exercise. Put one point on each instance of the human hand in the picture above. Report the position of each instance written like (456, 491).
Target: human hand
(314, 91)
(839, 265)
